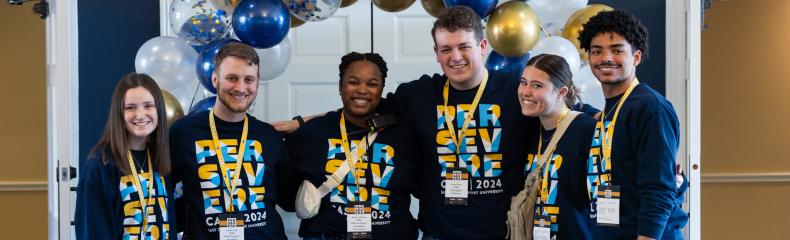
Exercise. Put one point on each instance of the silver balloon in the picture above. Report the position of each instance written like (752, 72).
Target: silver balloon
(312, 10)
(275, 60)
(590, 87)
(168, 60)
(559, 46)
(198, 21)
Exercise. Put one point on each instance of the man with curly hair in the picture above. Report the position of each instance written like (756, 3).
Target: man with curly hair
(632, 162)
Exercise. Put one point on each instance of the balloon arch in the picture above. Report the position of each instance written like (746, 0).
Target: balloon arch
(515, 29)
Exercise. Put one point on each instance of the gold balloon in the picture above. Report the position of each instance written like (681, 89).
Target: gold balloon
(433, 7)
(295, 21)
(173, 109)
(577, 20)
(393, 5)
(513, 29)
(346, 3)
(227, 5)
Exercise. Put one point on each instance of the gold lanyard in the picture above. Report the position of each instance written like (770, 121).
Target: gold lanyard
(607, 134)
(544, 189)
(139, 186)
(355, 158)
(221, 158)
(467, 117)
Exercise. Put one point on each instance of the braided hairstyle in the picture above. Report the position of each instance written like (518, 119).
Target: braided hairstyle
(559, 74)
(352, 57)
(617, 21)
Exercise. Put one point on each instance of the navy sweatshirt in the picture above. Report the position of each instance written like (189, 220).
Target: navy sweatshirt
(265, 180)
(108, 204)
(387, 178)
(493, 152)
(644, 148)
(568, 203)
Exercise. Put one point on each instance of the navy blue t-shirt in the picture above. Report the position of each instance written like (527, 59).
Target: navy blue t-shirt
(493, 152)
(108, 204)
(387, 179)
(262, 186)
(644, 147)
(567, 201)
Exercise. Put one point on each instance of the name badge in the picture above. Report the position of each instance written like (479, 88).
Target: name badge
(456, 188)
(608, 206)
(359, 223)
(541, 228)
(231, 227)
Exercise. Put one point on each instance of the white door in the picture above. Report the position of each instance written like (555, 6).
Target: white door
(310, 84)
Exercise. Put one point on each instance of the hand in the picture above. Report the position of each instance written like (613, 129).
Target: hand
(288, 126)
(644, 238)
(678, 175)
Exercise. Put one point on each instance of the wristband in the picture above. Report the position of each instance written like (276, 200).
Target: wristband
(299, 119)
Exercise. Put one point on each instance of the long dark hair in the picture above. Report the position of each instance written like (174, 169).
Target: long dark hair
(113, 144)
(559, 74)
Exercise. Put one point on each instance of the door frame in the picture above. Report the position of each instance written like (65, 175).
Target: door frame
(62, 115)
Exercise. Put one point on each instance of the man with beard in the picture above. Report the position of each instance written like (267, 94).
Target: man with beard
(226, 159)
(631, 168)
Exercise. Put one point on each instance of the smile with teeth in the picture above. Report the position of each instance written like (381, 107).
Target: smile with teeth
(529, 102)
(360, 101)
(239, 97)
(607, 67)
(457, 66)
(141, 123)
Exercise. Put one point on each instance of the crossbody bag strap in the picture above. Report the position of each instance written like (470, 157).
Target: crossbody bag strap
(333, 181)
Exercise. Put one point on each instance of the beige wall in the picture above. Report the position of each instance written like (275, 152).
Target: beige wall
(23, 122)
(745, 111)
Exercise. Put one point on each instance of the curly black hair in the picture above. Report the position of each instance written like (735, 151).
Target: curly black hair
(617, 21)
(352, 57)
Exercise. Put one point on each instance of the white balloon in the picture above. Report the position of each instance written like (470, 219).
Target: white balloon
(274, 60)
(554, 13)
(589, 87)
(168, 60)
(559, 46)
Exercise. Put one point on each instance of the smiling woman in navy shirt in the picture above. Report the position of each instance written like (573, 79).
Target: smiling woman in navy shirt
(382, 175)
(547, 92)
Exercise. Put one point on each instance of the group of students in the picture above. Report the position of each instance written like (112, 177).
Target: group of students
(464, 143)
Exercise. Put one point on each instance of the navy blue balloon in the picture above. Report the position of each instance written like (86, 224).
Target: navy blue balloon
(481, 7)
(203, 105)
(261, 23)
(515, 65)
(205, 62)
